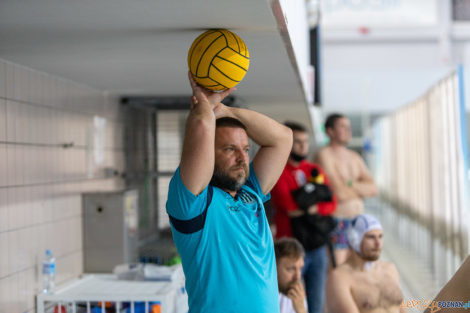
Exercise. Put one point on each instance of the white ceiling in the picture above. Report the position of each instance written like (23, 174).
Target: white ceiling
(139, 47)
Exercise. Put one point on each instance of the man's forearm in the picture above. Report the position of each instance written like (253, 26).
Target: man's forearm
(197, 159)
(365, 189)
(347, 194)
(274, 139)
(265, 131)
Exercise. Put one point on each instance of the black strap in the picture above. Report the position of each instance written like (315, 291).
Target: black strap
(196, 223)
(331, 249)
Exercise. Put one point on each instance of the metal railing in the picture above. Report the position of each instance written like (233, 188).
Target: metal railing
(420, 164)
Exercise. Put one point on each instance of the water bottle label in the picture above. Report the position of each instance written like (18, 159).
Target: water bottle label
(48, 268)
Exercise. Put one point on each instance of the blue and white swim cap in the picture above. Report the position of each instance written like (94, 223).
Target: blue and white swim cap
(360, 225)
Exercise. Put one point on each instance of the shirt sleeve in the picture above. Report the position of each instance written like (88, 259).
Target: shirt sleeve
(326, 208)
(252, 182)
(182, 203)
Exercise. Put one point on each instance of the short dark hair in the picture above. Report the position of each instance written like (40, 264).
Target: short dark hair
(331, 120)
(288, 247)
(229, 122)
(295, 126)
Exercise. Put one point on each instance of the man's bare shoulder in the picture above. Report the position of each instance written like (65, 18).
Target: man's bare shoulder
(387, 267)
(323, 150)
(345, 270)
(353, 154)
(323, 154)
(342, 272)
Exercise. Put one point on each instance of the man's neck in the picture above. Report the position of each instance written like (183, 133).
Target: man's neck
(337, 146)
(230, 192)
(358, 263)
(293, 162)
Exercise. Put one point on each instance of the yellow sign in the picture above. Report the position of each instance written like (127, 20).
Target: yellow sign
(434, 306)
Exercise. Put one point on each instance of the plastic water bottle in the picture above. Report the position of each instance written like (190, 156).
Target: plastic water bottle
(48, 273)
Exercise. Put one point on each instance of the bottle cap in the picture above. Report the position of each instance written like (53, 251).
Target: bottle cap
(156, 308)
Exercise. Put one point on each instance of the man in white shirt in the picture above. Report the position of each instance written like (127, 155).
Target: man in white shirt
(289, 263)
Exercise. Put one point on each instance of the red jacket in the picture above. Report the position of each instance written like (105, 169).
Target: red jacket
(283, 202)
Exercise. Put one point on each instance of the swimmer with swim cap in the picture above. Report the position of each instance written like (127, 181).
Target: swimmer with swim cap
(363, 283)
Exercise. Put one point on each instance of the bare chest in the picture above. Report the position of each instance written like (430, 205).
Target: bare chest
(347, 166)
(376, 292)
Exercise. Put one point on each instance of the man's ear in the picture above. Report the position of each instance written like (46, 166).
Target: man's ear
(328, 131)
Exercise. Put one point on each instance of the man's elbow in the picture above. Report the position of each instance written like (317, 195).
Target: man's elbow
(374, 191)
(287, 137)
(367, 189)
(201, 123)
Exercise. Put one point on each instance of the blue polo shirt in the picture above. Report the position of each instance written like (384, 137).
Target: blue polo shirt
(229, 264)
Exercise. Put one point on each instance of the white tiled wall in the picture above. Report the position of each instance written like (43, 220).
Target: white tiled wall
(41, 181)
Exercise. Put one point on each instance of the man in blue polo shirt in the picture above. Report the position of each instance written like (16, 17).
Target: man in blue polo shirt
(215, 204)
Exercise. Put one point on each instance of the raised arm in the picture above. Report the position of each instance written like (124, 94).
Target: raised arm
(197, 159)
(274, 139)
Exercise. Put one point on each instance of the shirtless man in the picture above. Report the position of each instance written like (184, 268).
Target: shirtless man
(349, 179)
(363, 284)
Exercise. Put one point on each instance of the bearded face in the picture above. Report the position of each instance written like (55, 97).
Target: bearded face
(231, 168)
(300, 146)
(289, 272)
(232, 178)
(371, 246)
